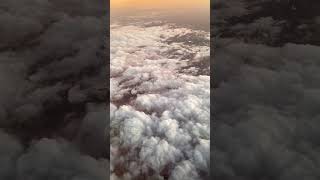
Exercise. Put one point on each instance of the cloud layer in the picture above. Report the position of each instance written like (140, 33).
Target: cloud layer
(53, 118)
(160, 102)
(265, 92)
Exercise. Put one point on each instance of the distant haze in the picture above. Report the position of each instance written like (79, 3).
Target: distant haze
(195, 13)
(159, 4)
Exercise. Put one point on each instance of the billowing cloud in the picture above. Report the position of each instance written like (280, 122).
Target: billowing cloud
(53, 119)
(265, 93)
(160, 102)
(48, 158)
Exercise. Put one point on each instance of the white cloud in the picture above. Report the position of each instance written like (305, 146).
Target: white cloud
(160, 114)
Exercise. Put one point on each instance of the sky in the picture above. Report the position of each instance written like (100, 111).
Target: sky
(195, 13)
(159, 4)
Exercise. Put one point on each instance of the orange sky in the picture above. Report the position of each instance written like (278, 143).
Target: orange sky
(159, 4)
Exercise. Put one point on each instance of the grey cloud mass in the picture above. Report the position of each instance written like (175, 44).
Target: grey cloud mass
(265, 100)
(53, 117)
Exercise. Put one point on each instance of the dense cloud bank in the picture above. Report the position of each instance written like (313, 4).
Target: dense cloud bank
(266, 90)
(48, 159)
(160, 102)
(53, 116)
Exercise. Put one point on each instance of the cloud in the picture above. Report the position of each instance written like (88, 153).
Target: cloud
(261, 111)
(53, 90)
(160, 104)
(48, 158)
(185, 170)
(158, 153)
(264, 113)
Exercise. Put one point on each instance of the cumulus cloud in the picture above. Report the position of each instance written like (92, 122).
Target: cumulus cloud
(185, 170)
(160, 101)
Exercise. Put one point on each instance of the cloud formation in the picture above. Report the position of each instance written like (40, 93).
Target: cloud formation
(160, 102)
(47, 159)
(265, 95)
(53, 117)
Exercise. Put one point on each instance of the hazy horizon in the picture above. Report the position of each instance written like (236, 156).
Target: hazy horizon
(195, 18)
(159, 4)
(193, 14)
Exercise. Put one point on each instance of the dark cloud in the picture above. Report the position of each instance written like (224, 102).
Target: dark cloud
(48, 159)
(53, 75)
(265, 95)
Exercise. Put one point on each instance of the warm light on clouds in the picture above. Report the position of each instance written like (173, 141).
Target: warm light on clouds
(159, 4)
